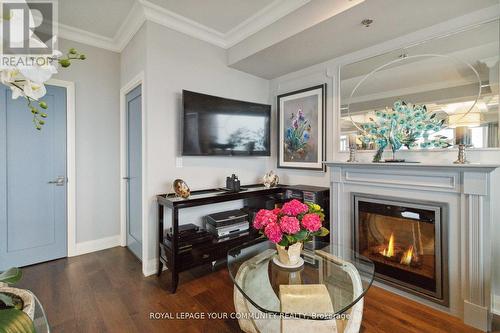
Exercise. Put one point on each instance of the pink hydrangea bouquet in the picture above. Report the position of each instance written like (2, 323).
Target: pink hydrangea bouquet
(295, 222)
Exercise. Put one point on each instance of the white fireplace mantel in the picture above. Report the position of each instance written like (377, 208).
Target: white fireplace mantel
(468, 192)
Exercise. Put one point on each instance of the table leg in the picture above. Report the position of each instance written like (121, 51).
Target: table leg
(160, 265)
(160, 238)
(175, 238)
(174, 283)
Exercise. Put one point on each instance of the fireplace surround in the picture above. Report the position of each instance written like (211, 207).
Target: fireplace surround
(406, 240)
(468, 194)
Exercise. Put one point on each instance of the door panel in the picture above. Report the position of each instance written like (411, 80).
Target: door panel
(134, 167)
(32, 212)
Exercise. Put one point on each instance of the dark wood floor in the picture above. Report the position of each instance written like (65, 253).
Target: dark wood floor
(106, 292)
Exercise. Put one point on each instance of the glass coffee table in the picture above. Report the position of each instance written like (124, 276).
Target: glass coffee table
(40, 318)
(325, 294)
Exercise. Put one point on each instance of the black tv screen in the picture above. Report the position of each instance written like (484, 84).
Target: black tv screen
(225, 127)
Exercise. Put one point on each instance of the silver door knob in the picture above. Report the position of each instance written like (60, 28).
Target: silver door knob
(59, 181)
(126, 178)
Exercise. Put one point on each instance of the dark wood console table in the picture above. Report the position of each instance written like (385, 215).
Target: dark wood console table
(206, 252)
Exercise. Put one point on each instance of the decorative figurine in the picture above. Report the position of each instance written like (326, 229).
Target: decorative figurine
(181, 189)
(403, 125)
(271, 179)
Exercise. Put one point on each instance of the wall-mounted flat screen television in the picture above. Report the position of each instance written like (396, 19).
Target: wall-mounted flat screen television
(224, 127)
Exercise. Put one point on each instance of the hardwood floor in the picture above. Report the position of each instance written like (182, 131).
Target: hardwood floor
(106, 292)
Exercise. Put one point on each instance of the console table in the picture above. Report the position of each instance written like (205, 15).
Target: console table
(206, 252)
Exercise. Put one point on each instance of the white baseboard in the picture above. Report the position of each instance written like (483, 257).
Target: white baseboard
(496, 305)
(97, 245)
(476, 316)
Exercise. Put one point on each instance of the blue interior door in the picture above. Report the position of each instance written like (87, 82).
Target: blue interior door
(134, 167)
(33, 219)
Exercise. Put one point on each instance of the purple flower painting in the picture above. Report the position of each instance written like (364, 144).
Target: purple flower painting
(301, 120)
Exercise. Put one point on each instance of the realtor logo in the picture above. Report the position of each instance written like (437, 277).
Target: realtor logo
(27, 28)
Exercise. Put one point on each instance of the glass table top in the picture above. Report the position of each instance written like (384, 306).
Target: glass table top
(342, 275)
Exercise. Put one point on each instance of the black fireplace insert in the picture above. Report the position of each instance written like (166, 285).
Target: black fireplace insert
(406, 239)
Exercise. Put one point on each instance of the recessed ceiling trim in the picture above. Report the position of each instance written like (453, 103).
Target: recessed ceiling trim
(144, 10)
(264, 17)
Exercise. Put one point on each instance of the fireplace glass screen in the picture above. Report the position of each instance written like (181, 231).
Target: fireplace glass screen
(404, 241)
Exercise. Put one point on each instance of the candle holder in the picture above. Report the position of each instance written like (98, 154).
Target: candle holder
(352, 153)
(462, 159)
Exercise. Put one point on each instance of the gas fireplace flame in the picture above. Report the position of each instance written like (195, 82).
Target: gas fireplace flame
(389, 251)
(407, 256)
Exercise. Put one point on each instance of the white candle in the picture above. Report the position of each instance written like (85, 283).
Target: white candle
(462, 135)
(352, 139)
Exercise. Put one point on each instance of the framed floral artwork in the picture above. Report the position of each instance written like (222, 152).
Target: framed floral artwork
(301, 129)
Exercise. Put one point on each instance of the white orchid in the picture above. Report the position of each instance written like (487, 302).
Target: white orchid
(8, 75)
(34, 90)
(27, 75)
(37, 73)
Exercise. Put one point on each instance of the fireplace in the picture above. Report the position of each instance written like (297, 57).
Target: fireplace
(406, 241)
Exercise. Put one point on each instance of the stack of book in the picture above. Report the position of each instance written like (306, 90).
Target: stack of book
(225, 225)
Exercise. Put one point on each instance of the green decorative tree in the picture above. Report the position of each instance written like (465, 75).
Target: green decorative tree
(403, 125)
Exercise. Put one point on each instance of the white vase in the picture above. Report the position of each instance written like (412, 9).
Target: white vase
(289, 256)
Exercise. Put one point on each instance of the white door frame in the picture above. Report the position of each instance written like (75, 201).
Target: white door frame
(70, 162)
(136, 81)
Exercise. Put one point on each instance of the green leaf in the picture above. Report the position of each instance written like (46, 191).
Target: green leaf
(301, 235)
(284, 242)
(323, 232)
(6, 299)
(290, 239)
(15, 321)
(11, 276)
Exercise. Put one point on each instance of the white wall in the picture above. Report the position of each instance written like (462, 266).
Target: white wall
(327, 72)
(97, 144)
(133, 57)
(175, 62)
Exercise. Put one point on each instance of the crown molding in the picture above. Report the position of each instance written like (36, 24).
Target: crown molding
(174, 21)
(132, 23)
(144, 10)
(85, 37)
(130, 26)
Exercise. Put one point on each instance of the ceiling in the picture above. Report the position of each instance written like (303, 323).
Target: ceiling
(112, 23)
(475, 38)
(343, 33)
(94, 15)
(220, 15)
(267, 38)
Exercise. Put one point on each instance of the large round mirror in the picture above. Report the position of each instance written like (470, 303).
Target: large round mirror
(454, 78)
